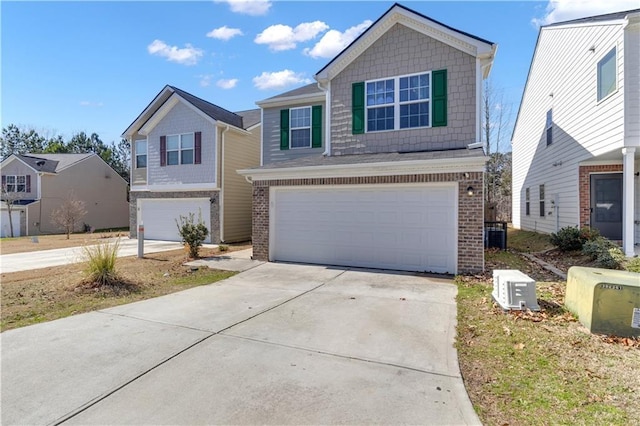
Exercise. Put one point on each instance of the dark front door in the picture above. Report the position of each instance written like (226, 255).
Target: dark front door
(606, 205)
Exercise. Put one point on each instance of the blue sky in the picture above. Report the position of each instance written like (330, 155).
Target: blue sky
(94, 66)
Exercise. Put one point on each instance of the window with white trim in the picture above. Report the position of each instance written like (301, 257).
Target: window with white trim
(300, 127)
(141, 153)
(401, 102)
(15, 183)
(527, 205)
(180, 149)
(607, 75)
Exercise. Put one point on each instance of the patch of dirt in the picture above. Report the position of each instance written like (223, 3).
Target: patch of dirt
(48, 242)
(45, 294)
(565, 260)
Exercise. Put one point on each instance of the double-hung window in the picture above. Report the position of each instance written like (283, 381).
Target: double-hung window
(607, 76)
(542, 200)
(402, 102)
(398, 103)
(300, 127)
(141, 153)
(15, 183)
(180, 149)
(527, 204)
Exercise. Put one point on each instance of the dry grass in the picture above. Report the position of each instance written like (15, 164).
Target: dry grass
(541, 368)
(48, 242)
(46, 294)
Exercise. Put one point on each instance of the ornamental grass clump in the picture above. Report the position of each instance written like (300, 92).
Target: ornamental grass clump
(101, 263)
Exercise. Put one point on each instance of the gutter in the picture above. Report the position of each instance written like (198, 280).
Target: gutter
(327, 121)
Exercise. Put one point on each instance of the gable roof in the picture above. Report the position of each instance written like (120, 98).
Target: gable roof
(595, 19)
(49, 163)
(398, 13)
(209, 109)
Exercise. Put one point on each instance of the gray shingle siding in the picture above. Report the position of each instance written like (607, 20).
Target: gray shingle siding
(182, 119)
(404, 51)
(271, 136)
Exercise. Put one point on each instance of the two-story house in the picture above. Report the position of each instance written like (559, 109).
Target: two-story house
(576, 142)
(184, 155)
(379, 164)
(38, 184)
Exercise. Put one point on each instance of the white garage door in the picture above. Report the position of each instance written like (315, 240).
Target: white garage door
(159, 216)
(403, 227)
(5, 228)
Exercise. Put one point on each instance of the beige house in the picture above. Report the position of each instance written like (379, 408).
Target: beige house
(39, 183)
(185, 153)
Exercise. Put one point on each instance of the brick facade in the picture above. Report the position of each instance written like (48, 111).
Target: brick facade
(470, 210)
(584, 186)
(215, 208)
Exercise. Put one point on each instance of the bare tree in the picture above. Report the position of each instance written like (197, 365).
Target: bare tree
(496, 120)
(69, 215)
(9, 199)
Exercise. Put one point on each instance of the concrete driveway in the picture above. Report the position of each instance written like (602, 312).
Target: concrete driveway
(44, 258)
(277, 344)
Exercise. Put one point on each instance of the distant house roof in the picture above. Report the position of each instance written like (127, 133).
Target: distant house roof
(309, 89)
(250, 117)
(595, 19)
(39, 164)
(62, 161)
(213, 111)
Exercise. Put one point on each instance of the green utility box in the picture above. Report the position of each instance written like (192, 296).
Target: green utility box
(606, 301)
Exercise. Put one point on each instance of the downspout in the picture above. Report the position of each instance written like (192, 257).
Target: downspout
(327, 121)
(221, 202)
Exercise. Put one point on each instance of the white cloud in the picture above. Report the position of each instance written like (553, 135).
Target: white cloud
(188, 55)
(248, 7)
(205, 80)
(91, 104)
(565, 10)
(334, 41)
(227, 83)
(279, 79)
(283, 37)
(224, 33)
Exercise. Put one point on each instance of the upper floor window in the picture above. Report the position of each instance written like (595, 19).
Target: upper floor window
(549, 127)
(301, 127)
(141, 153)
(185, 148)
(398, 103)
(607, 75)
(16, 183)
(402, 102)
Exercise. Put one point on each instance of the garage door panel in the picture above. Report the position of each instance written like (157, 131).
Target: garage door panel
(159, 216)
(393, 227)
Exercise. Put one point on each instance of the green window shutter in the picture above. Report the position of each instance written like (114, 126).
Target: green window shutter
(439, 98)
(284, 129)
(357, 107)
(316, 126)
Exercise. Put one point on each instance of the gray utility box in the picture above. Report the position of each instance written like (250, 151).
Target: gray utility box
(514, 290)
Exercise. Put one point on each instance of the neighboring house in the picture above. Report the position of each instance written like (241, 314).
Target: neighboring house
(576, 142)
(40, 183)
(379, 164)
(185, 152)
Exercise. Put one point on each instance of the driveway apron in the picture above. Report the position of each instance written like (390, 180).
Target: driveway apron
(277, 344)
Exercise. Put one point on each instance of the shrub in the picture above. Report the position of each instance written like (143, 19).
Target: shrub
(101, 262)
(223, 247)
(193, 233)
(633, 265)
(604, 252)
(567, 239)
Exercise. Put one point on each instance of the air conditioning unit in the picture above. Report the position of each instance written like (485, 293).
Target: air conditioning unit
(514, 290)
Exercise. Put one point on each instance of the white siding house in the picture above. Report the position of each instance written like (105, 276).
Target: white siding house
(576, 142)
